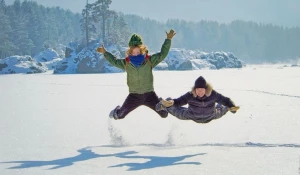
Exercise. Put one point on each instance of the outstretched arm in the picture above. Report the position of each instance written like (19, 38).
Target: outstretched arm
(226, 102)
(182, 100)
(119, 63)
(158, 57)
(223, 100)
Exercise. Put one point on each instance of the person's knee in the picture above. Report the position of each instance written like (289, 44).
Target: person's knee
(163, 114)
(172, 110)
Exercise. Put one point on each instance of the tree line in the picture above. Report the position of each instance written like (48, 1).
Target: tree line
(250, 41)
(27, 28)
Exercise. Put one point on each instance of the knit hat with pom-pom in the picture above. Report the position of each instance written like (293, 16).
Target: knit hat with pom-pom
(135, 40)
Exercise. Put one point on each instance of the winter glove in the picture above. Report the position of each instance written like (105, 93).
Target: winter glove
(234, 109)
(170, 34)
(101, 49)
(167, 103)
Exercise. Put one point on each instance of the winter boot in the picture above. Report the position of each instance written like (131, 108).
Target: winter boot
(113, 114)
(159, 106)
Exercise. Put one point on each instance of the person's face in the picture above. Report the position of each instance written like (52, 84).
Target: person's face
(136, 51)
(200, 92)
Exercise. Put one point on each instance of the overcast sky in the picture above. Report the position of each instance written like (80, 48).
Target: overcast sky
(280, 12)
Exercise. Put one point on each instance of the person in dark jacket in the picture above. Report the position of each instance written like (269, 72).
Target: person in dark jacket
(204, 104)
(138, 65)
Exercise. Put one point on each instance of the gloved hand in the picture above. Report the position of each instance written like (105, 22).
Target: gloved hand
(170, 34)
(101, 49)
(234, 109)
(167, 103)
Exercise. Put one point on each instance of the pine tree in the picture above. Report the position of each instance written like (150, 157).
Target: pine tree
(6, 46)
(20, 36)
(121, 30)
(101, 14)
(86, 23)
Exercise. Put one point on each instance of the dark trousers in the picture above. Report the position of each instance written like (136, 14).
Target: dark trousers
(183, 113)
(149, 99)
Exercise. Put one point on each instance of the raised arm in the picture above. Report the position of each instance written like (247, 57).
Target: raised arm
(119, 63)
(158, 57)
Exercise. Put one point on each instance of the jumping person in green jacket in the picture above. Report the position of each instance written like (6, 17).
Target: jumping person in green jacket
(138, 66)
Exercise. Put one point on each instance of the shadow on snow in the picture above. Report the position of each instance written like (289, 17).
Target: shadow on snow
(154, 161)
(86, 154)
(151, 161)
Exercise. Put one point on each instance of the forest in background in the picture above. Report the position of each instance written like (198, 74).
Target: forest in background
(27, 28)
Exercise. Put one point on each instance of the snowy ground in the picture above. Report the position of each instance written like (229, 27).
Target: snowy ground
(58, 124)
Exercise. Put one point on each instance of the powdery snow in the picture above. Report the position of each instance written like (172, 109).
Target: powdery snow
(21, 64)
(58, 124)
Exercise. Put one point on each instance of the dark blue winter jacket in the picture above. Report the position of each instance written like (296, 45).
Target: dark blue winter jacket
(204, 105)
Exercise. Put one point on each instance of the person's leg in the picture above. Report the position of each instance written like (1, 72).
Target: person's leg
(131, 102)
(151, 99)
(220, 111)
(181, 113)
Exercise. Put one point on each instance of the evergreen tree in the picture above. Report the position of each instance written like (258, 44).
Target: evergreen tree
(19, 20)
(118, 32)
(249, 41)
(123, 32)
(101, 15)
(87, 25)
(28, 28)
(7, 48)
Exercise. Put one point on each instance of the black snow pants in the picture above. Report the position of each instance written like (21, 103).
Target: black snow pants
(183, 113)
(149, 99)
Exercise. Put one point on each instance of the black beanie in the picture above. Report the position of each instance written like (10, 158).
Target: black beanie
(200, 83)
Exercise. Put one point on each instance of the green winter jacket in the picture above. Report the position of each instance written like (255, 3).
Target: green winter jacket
(140, 80)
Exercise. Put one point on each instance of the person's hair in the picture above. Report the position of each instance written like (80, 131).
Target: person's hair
(143, 50)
